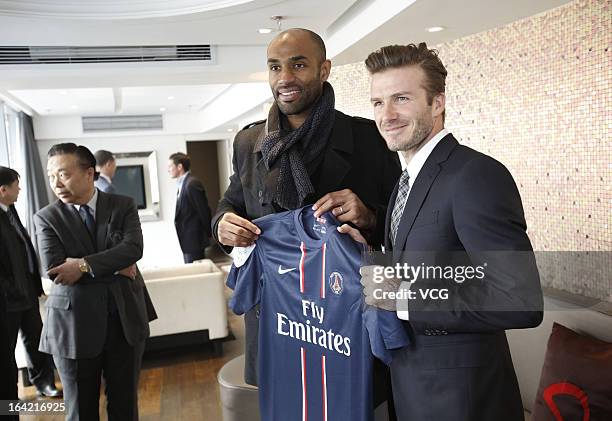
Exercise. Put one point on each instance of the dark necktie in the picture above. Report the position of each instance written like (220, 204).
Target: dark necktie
(88, 219)
(400, 204)
(16, 223)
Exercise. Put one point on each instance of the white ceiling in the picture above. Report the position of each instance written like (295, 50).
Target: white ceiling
(111, 9)
(460, 18)
(351, 29)
(128, 101)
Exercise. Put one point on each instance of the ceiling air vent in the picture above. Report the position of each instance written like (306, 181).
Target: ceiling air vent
(117, 54)
(122, 123)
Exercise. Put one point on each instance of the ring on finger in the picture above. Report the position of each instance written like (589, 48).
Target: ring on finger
(341, 210)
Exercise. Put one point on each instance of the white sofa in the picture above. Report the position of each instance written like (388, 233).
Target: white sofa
(188, 298)
(528, 346)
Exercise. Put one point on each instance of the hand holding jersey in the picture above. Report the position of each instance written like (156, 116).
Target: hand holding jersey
(236, 231)
(377, 292)
(346, 206)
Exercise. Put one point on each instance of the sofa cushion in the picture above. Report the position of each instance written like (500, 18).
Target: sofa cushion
(576, 380)
(202, 266)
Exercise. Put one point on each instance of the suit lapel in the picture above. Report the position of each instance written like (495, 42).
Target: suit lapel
(420, 189)
(103, 213)
(335, 164)
(265, 180)
(75, 225)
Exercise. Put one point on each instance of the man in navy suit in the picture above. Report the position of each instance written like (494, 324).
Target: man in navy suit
(192, 216)
(453, 208)
(106, 166)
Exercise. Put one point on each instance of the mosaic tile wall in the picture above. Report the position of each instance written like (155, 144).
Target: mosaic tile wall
(536, 95)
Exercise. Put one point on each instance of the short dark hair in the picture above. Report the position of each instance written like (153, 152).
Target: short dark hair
(86, 158)
(8, 176)
(316, 38)
(396, 56)
(181, 158)
(103, 157)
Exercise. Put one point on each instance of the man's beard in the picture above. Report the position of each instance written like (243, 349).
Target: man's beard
(309, 95)
(421, 128)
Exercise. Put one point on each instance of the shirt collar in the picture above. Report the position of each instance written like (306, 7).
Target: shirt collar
(92, 203)
(418, 160)
(4, 207)
(107, 178)
(182, 178)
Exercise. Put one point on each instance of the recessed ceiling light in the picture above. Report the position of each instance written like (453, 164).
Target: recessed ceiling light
(264, 30)
(74, 107)
(162, 109)
(230, 130)
(170, 97)
(436, 29)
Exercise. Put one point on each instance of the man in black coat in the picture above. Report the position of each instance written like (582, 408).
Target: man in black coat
(455, 215)
(21, 278)
(306, 152)
(192, 216)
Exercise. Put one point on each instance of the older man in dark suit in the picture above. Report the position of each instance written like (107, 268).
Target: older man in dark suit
(99, 309)
(21, 278)
(453, 208)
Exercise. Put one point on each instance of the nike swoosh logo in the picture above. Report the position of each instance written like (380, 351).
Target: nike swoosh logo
(282, 271)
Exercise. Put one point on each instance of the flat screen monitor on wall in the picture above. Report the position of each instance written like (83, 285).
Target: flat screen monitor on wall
(129, 181)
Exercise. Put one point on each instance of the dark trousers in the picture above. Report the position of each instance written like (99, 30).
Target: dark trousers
(119, 363)
(40, 365)
(382, 388)
(192, 257)
(8, 368)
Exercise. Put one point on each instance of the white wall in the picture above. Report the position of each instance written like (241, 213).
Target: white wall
(70, 127)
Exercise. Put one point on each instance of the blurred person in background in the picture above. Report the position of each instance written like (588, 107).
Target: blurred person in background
(192, 216)
(106, 166)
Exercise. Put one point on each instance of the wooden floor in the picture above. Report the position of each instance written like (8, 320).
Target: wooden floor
(177, 385)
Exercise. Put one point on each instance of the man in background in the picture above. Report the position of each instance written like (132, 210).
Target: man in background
(106, 166)
(98, 312)
(20, 277)
(192, 216)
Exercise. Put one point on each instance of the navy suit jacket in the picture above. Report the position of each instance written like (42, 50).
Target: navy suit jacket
(464, 209)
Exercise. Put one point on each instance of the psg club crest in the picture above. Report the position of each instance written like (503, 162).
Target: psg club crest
(336, 283)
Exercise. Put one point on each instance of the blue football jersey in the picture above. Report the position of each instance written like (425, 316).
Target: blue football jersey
(317, 338)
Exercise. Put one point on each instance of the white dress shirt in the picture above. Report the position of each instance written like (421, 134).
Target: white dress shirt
(92, 204)
(180, 182)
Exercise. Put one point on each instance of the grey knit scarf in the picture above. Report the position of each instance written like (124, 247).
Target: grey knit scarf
(293, 152)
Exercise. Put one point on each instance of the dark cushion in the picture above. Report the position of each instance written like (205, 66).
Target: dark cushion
(576, 380)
